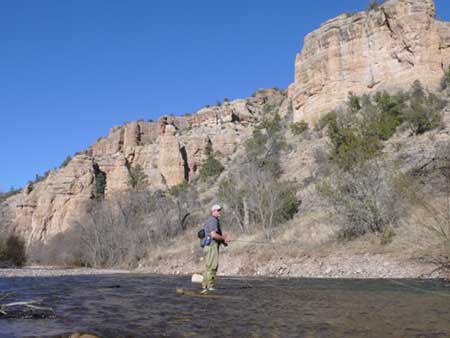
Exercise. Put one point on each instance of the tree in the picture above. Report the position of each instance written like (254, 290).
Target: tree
(374, 4)
(254, 193)
(298, 128)
(211, 166)
(99, 182)
(186, 202)
(445, 81)
(364, 198)
(138, 178)
(66, 161)
(13, 250)
(265, 146)
(424, 112)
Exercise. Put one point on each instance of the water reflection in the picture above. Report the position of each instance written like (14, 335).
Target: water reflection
(148, 306)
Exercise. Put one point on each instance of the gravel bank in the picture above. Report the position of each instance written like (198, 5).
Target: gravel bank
(48, 271)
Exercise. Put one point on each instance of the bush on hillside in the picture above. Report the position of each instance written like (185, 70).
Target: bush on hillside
(428, 192)
(445, 81)
(298, 128)
(255, 196)
(119, 231)
(264, 148)
(138, 179)
(66, 161)
(325, 120)
(352, 137)
(99, 182)
(364, 199)
(374, 4)
(357, 133)
(12, 249)
(211, 166)
(424, 111)
(186, 200)
(256, 200)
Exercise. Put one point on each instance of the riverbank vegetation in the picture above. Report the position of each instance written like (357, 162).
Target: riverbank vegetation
(12, 251)
(370, 191)
(366, 179)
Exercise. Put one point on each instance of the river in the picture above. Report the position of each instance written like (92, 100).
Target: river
(148, 306)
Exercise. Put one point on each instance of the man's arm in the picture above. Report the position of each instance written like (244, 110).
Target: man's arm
(224, 239)
(217, 237)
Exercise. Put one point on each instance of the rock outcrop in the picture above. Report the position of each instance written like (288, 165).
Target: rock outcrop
(389, 47)
(170, 151)
(386, 48)
(170, 160)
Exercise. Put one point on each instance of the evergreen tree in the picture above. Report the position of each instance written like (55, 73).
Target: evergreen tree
(138, 178)
(211, 167)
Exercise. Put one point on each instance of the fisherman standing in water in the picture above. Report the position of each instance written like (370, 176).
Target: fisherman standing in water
(212, 241)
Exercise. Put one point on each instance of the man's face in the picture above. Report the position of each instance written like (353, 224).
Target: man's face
(216, 213)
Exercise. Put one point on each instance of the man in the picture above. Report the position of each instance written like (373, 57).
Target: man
(213, 239)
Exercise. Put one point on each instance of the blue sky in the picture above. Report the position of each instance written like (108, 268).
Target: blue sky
(70, 70)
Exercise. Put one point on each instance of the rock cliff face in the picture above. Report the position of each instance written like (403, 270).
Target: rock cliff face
(389, 47)
(170, 151)
(386, 48)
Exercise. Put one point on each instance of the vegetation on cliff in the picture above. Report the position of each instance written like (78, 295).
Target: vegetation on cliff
(368, 190)
(12, 250)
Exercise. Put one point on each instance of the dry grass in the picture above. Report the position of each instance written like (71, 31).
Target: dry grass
(425, 234)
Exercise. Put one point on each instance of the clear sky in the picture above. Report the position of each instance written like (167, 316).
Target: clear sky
(70, 70)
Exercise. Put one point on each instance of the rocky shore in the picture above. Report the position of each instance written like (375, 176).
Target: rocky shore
(364, 266)
(50, 271)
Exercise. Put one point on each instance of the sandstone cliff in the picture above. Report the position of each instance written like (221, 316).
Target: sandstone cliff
(365, 52)
(170, 151)
(386, 48)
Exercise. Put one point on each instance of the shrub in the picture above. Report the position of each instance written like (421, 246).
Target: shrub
(121, 229)
(264, 148)
(445, 81)
(357, 133)
(365, 199)
(179, 188)
(387, 236)
(211, 167)
(424, 112)
(253, 193)
(325, 120)
(13, 250)
(66, 161)
(373, 5)
(138, 178)
(298, 128)
(428, 192)
(99, 182)
(389, 113)
(5, 195)
(256, 198)
(352, 139)
(185, 201)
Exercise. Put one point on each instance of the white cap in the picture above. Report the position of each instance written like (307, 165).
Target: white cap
(216, 207)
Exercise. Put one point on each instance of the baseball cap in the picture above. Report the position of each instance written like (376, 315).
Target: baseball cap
(216, 207)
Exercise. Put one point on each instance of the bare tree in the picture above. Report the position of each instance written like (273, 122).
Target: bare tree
(257, 198)
(364, 198)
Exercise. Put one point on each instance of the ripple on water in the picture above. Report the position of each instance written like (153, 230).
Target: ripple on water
(148, 306)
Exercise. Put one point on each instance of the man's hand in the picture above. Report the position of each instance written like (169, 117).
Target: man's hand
(227, 238)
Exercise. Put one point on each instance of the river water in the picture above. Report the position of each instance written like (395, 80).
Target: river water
(148, 306)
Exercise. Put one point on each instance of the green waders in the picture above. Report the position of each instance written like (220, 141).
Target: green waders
(211, 264)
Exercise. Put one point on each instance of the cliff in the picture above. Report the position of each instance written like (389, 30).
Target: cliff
(386, 48)
(170, 151)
